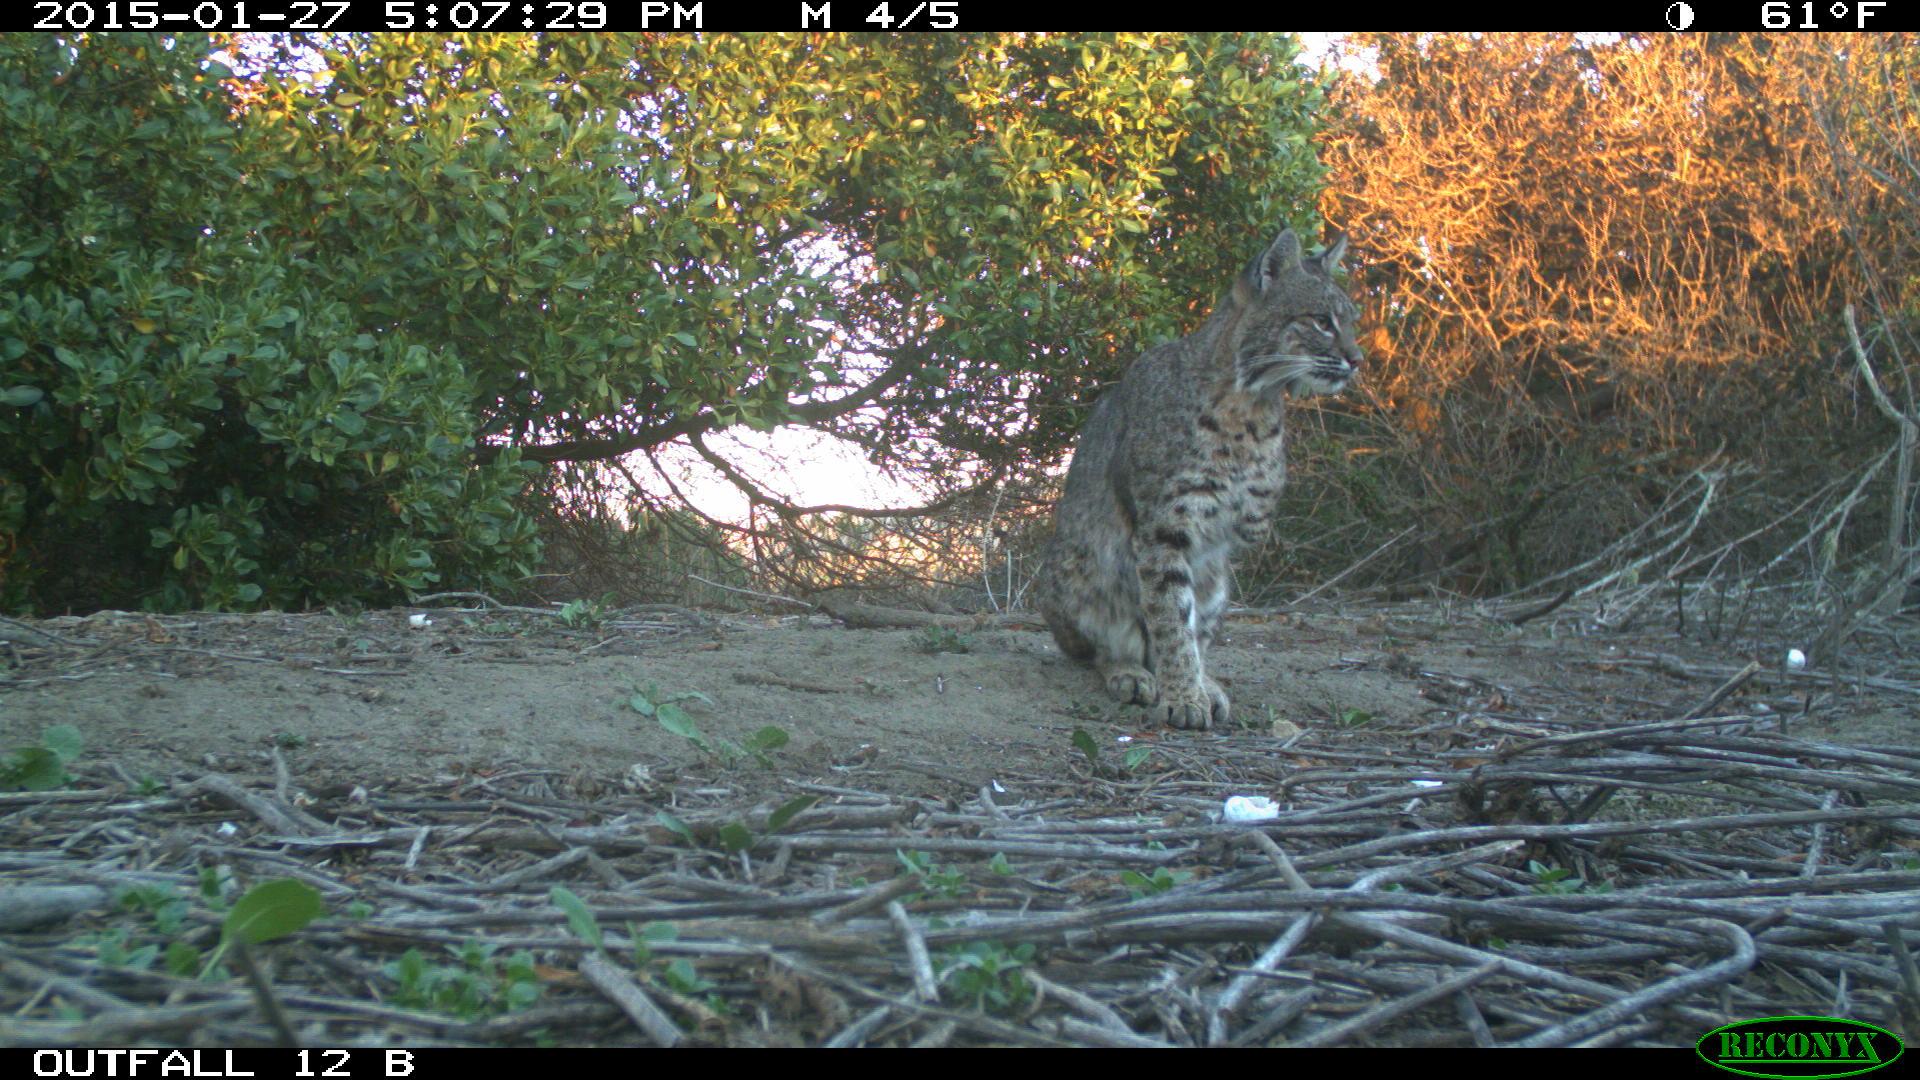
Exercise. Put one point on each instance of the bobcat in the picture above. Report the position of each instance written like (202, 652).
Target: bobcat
(1179, 466)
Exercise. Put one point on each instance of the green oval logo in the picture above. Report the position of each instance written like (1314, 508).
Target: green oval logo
(1799, 1047)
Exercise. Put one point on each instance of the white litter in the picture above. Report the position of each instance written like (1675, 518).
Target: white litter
(1245, 808)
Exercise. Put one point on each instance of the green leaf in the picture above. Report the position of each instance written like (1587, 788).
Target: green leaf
(735, 836)
(182, 959)
(779, 818)
(675, 826)
(767, 739)
(584, 925)
(64, 740)
(32, 768)
(272, 910)
(677, 722)
(1084, 743)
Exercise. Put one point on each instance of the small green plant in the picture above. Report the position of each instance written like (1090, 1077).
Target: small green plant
(682, 977)
(933, 640)
(1559, 881)
(350, 618)
(477, 986)
(987, 975)
(148, 786)
(666, 711)
(43, 767)
(1088, 746)
(948, 882)
(168, 911)
(1141, 886)
(112, 950)
(645, 937)
(167, 908)
(215, 883)
(1085, 743)
(579, 918)
(585, 614)
(1352, 718)
(266, 912)
(999, 865)
(289, 740)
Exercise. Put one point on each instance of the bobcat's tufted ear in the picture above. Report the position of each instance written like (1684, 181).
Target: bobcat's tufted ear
(1281, 256)
(1329, 259)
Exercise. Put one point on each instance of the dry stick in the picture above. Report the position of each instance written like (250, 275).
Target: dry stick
(282, 777)
(1599, 796)
(619, 987)
(1369, 557)
(1819, 527)
(1286, 1012)
(1727, 688)
(1393, 1010)
(923, 981)
(286, 820)
(1269, 960)
(20, 969)
(1448, 950)
(30, 906)
(421, 601)
(1533, 613)
(1470, 1015)
(1711, 481)
(1811, 865)
(1289, 939)
(940, 1034)
(1101, 1035)
(1897, 552)
(120, 1028)
(986, 568)
(1622, 544)
(856, 1033)
(1617, 1012)
(263, 995)
(1084, 1004)
(35, 635)
(1903, 963)
(1107, 853)
(875, 897)
(1484, 833)
(751, 592)
(1613, 733)
(543, 870)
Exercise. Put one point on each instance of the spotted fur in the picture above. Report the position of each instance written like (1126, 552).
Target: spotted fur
(1178, 467)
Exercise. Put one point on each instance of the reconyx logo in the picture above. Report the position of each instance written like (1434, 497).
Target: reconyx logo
(1799, 1047)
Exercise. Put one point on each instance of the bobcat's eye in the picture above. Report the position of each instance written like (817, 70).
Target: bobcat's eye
(1322, 324)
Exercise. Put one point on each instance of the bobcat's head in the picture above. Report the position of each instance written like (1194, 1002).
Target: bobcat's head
(1295, 330)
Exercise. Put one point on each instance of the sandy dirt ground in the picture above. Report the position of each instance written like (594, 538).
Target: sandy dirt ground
(366, 698)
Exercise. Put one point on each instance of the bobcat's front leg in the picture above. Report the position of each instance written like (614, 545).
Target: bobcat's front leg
(1188, 698)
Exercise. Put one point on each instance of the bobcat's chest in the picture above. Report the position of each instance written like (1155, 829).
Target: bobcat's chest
(1242, 443)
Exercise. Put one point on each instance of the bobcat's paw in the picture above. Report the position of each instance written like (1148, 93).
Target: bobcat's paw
(1196, 708)
(1131, 685)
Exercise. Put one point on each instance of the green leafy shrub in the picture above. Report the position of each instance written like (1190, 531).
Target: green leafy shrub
(186, 417)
